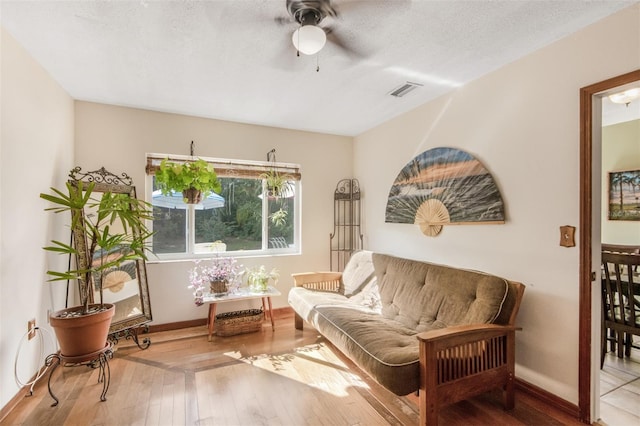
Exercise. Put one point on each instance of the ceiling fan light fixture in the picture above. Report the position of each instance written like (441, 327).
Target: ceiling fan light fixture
(625, 97)
(309, 39)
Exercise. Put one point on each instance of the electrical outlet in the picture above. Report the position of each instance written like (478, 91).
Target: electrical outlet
(31, 326)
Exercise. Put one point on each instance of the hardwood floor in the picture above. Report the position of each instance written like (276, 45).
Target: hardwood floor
(620, 390)
(286, 377)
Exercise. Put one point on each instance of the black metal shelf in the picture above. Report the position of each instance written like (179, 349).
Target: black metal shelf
(347, 236)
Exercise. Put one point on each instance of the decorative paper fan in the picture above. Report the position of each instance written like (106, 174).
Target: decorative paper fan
(430, 216)
(114, 281)
(452, 177)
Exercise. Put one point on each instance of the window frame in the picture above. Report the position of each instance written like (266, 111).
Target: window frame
(231, 168)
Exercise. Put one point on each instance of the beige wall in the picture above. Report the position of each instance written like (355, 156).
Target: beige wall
(118, 138)
(522, 122)
(620, 151)
(36, 152)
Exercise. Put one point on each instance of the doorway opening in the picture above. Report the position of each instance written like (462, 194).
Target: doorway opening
(589, 228)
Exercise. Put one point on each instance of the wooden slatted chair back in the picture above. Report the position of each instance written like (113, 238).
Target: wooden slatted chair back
(621, 297)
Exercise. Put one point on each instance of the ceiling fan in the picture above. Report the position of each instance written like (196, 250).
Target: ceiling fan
(309, 38)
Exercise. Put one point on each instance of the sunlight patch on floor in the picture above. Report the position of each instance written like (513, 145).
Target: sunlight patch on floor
(313, 365)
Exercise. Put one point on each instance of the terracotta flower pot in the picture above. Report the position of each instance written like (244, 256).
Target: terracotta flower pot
(82, 335)
(192, 196)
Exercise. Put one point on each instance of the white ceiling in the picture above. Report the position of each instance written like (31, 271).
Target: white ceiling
(231, 60)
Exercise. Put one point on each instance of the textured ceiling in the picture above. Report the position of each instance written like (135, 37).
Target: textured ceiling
(232, 60)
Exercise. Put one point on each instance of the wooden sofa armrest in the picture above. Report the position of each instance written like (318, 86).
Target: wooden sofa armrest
(321, 281)
(324, 281)
(468, 332)
(462, 361)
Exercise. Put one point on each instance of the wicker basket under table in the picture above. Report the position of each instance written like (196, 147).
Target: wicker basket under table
(239, 322)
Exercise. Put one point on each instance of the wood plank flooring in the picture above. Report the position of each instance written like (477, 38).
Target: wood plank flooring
(286, 377)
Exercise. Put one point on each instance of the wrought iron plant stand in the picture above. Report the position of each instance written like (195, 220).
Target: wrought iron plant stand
(98, 360)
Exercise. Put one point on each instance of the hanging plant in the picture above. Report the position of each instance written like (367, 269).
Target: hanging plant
(195, 179)
(278, 185)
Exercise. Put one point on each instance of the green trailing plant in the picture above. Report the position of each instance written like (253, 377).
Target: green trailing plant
(112, 226)
(178, 177)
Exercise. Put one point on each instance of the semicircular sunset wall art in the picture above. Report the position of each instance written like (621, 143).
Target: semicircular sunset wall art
(453, 178)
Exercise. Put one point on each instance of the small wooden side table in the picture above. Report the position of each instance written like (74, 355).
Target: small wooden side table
(99, 359)
(240, 294)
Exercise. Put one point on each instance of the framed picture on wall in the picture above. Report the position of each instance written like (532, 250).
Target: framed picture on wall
(624, 195)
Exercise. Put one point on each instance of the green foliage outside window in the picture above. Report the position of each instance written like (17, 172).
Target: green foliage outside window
(238, 224)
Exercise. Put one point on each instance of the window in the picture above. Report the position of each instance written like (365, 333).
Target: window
(244, 219)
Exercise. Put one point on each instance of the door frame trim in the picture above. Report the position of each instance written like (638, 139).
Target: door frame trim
(585, 292)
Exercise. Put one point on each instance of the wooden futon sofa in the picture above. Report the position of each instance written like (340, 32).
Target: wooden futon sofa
(415, 326)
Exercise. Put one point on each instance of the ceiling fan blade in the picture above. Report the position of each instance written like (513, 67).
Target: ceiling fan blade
(349, 7)
(329, 10)
(283, 20)
(342, 43)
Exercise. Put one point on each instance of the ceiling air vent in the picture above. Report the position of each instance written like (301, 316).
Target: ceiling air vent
(400, 91)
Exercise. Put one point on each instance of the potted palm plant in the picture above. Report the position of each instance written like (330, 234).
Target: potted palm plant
(195, 179)
(108, 230)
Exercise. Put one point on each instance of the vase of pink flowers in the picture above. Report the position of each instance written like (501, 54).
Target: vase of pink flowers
(215, 276)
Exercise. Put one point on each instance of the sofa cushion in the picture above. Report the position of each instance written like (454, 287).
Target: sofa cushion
(369, 296)
(423, 296)
(388, 351)
(304, 300)
(357, 273)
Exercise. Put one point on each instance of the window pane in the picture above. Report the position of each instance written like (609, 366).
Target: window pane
(240, 218)
(171, 230)
(235, 226)
(281, 221)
